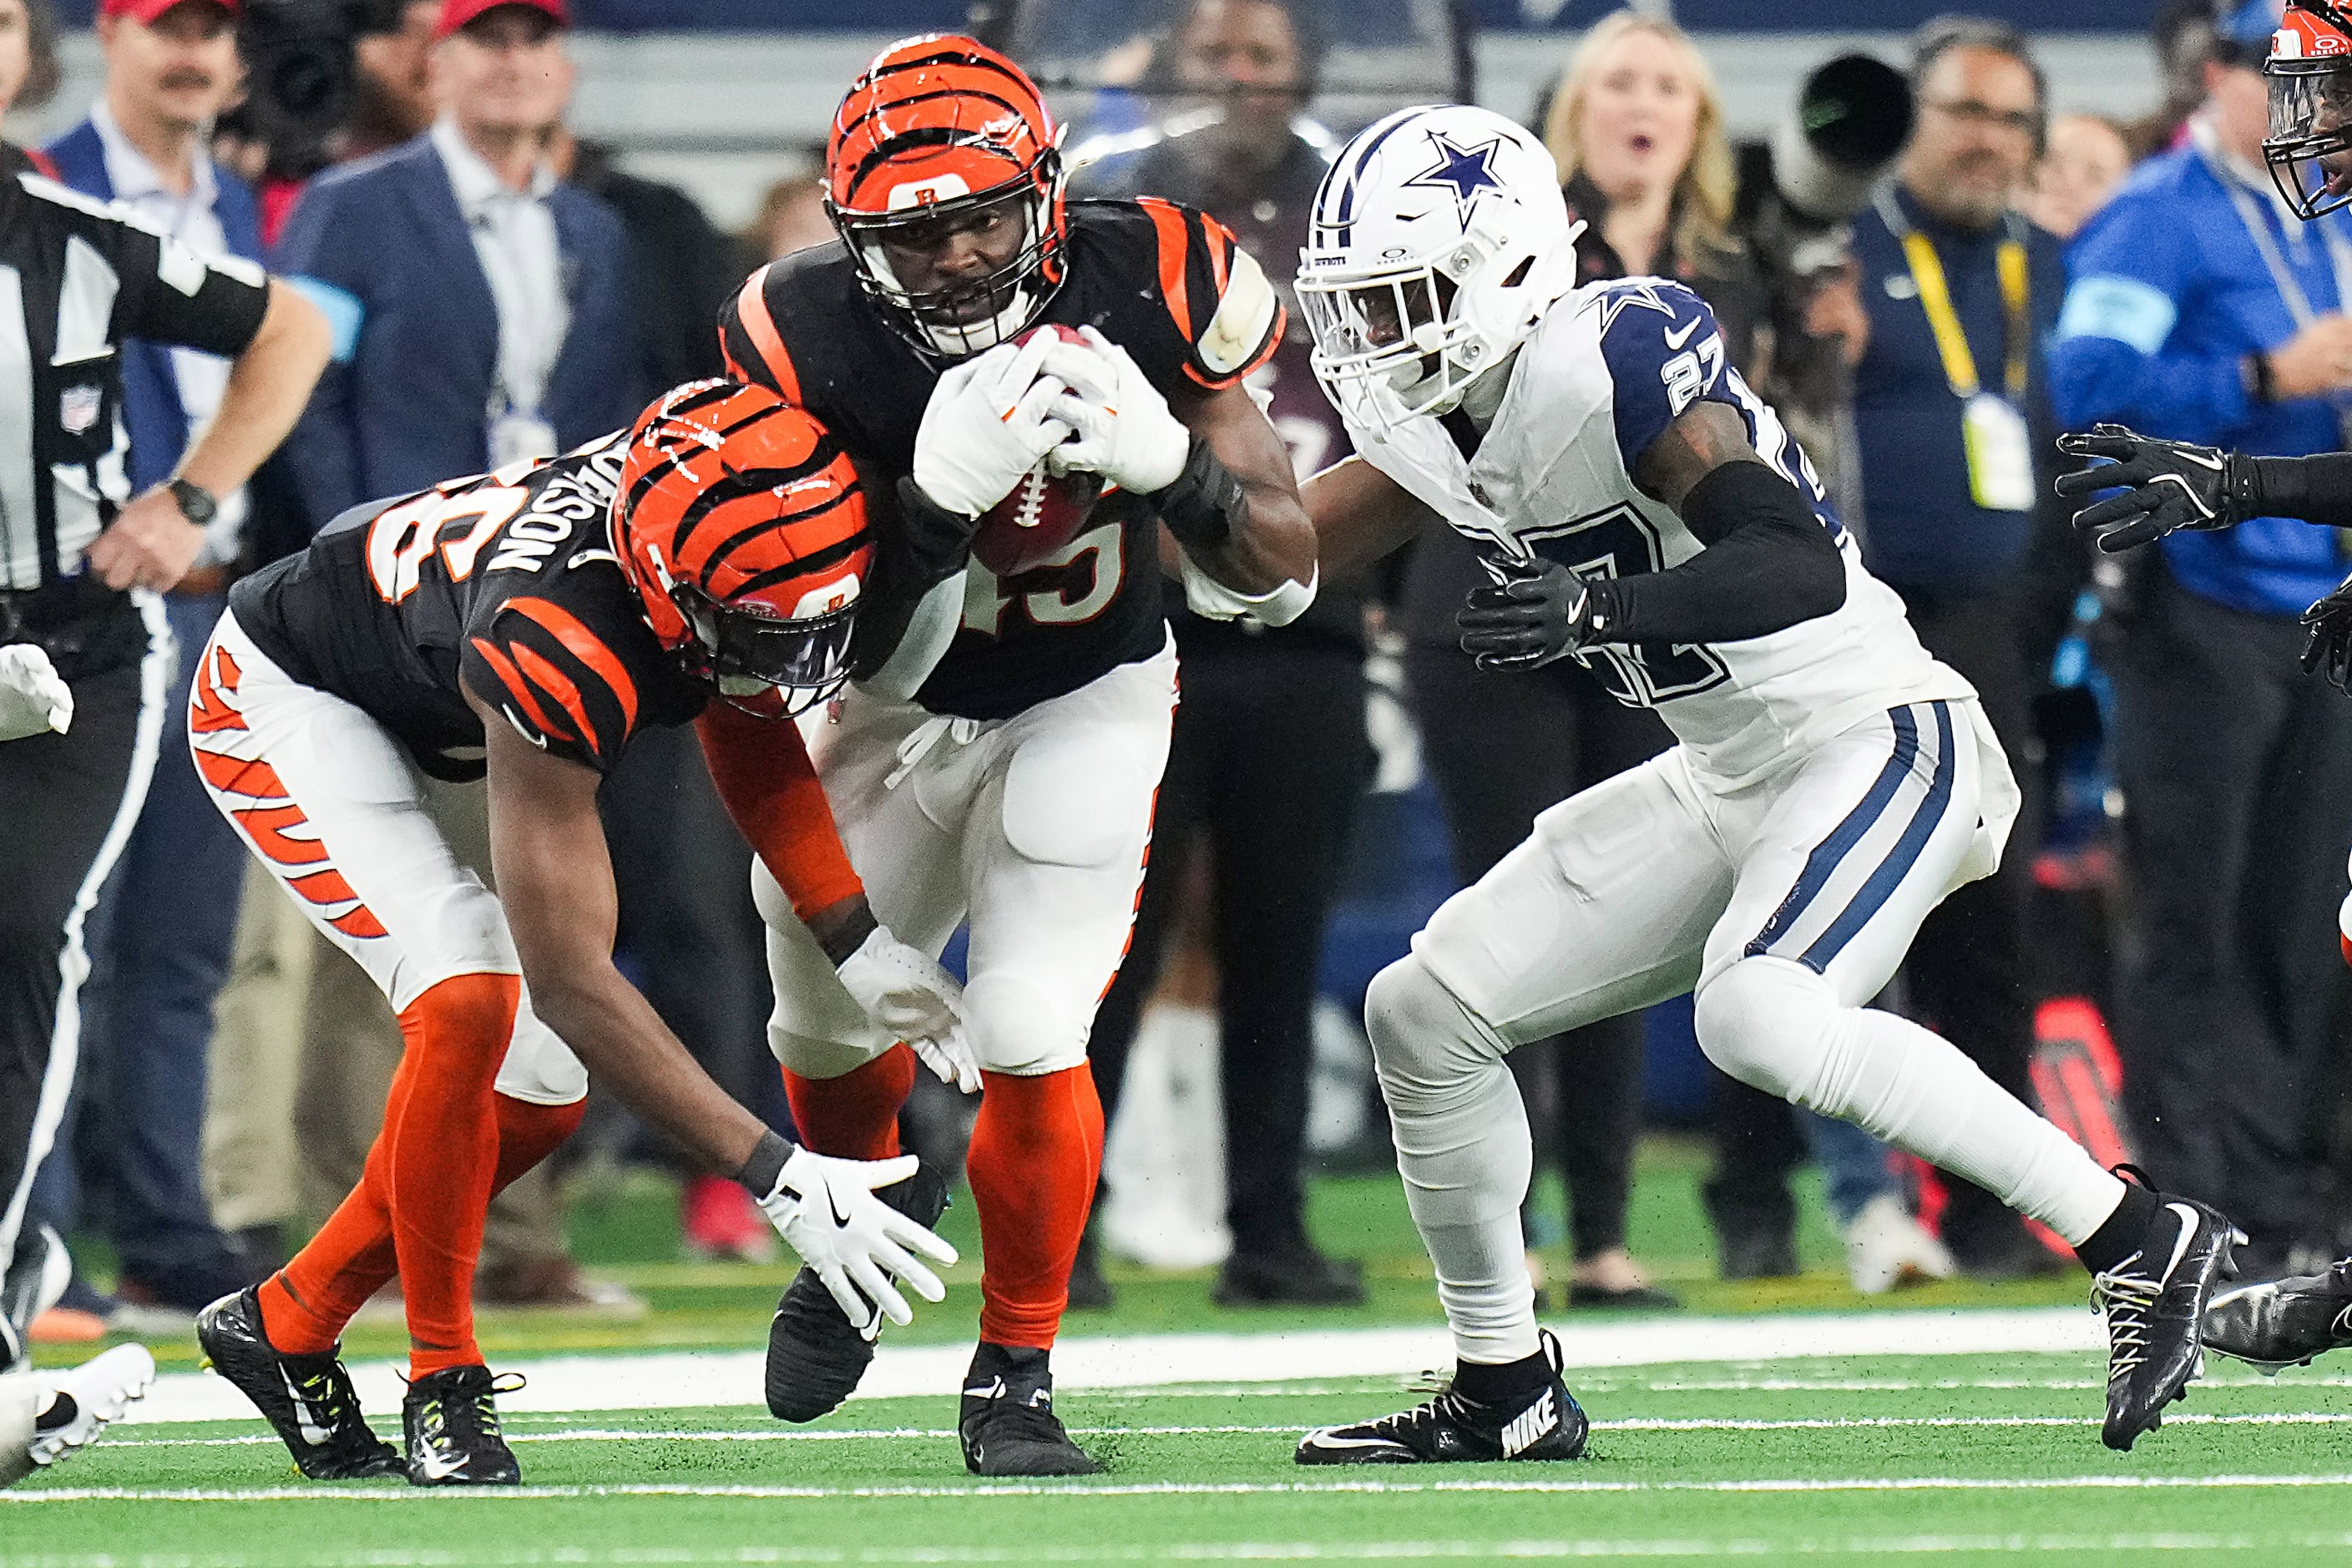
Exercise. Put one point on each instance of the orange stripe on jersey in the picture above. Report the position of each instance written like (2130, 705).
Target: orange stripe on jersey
(519, 689)
(266, 827)
(256, 780)
(360, 922)
(1167, 225)
(586, 646)
(1220, 245)
(558, 685)
(207, 714)
(752, 309)
(326, 887)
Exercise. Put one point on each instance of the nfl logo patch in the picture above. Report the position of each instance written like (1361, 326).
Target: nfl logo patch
(78, 410)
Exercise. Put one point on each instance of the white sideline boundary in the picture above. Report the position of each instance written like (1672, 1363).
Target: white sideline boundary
(678, 1379)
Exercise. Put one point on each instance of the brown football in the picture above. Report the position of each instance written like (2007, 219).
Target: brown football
(1041, 514)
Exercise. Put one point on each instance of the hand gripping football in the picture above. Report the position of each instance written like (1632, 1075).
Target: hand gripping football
(1041, 514)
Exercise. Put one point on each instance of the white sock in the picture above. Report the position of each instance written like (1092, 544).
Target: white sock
(1465, 1153)
(1777, 1024)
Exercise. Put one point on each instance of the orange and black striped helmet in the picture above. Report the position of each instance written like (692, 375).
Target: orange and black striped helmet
(943, 145)
(742, 523)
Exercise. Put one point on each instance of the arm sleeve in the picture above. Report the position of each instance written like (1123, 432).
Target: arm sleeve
(558, 680)
(2317, 489)
(2111, 357)
(1665, 351)
(1217, 298)
(1769, 565)
(317, 256)
(772, 789)
(168, 294)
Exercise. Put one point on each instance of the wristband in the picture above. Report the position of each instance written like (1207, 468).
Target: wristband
(2262, 382)
(767, 1162)
(1199, 508)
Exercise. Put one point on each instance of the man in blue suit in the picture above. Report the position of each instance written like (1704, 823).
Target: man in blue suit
(164, 932)
(482, 306)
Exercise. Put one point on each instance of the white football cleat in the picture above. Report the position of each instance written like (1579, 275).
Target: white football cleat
(1884, 1246)
(87, 1398)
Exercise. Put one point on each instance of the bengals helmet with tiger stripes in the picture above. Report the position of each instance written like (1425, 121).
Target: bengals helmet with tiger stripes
(941, 133)
(741, 525)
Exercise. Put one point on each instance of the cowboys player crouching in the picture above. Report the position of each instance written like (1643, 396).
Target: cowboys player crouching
(1644, 513)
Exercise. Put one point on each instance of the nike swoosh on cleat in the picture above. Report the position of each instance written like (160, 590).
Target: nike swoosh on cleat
(437, 1468)
(316, 1436)
(2180, 1242)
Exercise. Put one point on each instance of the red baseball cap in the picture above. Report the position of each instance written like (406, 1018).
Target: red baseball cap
(455, 13)
(146, 12)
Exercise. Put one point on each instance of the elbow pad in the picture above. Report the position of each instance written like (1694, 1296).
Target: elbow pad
(1201, 507)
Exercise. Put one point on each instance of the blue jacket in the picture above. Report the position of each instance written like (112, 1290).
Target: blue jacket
(383, 245)
(151, 392)
(1923, 529)
(2169, 296)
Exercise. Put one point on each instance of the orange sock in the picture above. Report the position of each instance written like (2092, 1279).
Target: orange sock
(854, 1116)
(1036, 1150)
(305, 1306)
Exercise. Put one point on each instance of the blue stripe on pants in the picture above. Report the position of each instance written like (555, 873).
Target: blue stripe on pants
(1899, 862)
(1822, 863)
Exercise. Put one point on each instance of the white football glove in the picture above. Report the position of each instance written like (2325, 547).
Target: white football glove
(1125, 432)
(911, 995)
(857, 1243)
(34, 698)
(987, 423)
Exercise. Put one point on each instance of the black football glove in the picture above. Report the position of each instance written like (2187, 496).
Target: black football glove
(2327, 640)
(2174, 486)
(1532, 613)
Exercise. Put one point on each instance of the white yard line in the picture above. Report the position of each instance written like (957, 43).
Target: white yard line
(678, 1379)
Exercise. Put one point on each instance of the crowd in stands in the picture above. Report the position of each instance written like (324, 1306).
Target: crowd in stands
(501, 289)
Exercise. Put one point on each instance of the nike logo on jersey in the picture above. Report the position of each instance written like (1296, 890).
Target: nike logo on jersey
(305, 1414)
(1532, 1425)
(1675, 339)
(525, 730)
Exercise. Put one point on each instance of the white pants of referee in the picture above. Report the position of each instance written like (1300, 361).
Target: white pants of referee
(1787, 903)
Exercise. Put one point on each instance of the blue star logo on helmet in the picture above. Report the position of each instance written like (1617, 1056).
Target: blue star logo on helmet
(1464, 170)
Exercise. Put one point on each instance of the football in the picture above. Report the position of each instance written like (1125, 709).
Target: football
(1041, 515)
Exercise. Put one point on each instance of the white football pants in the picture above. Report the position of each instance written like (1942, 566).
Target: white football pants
(324, 796)
(1035, 826)
(1787, 904)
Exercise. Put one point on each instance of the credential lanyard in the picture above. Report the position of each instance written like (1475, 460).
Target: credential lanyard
(1936, 298)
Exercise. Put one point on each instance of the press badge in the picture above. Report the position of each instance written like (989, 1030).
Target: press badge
(2000, 454)
(519, 438)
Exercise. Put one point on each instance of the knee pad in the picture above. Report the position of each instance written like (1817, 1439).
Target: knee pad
(1768, 1023)
(1017, 1028)
(1426, 1043)
(816, 1056)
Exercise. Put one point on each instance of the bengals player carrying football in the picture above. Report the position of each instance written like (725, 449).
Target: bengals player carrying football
(525, 624)
(1016, 788)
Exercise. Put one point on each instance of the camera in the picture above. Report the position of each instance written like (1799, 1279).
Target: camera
(301, 76)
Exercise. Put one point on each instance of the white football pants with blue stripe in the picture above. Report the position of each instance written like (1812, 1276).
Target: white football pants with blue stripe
(1787, 903)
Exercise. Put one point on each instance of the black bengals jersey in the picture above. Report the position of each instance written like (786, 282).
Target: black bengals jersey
(504, 582)
(1164, 282)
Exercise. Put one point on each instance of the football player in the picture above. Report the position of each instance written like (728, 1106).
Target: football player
(525, 624)
(1642, 512)
(1016, 788)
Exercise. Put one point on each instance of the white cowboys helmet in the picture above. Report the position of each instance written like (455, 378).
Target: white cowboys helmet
(1438, 238)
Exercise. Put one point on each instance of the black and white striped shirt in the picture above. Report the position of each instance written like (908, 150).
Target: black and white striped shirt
(76, 279)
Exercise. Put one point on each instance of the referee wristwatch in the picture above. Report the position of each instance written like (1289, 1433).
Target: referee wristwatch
(197, 504)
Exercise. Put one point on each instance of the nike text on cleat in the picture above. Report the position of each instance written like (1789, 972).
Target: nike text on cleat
(307, 1399)
(1006, 1422)
(1545, 1423)
(90, 1395)
(2282, 1322)
(450, 1419)
(815, 1354)
(2154, 1300)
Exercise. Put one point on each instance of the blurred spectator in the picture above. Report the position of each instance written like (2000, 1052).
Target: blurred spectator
(1269, 758)
(2202, 309)
(2182, 36)
(792, 217)
(1951, 421)
(499, 327)
(682, 268)
(393, 98)
(171, 911)
(2085, 159)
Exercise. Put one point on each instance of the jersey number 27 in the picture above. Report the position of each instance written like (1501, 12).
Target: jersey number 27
(1620, 542)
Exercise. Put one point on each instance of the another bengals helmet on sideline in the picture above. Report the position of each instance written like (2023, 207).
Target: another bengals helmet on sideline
(2309, 148)
(939, 133)
(741, 525)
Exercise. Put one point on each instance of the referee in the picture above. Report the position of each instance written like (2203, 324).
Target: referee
(85, 653)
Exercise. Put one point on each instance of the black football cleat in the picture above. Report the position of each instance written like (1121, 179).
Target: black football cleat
(2282, 1322)
(1545, 1423)
(450, 1419)
(2154, 1300)
(307, 1399)
(815, 1354)
(1007, 1422)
